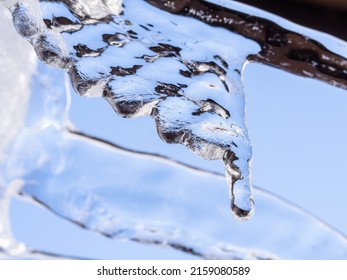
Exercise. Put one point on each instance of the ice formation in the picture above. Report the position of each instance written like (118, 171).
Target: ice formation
(184, 74)
(158, 65)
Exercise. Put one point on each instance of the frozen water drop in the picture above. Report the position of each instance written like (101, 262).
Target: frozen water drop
(242, 203)
(243, 212)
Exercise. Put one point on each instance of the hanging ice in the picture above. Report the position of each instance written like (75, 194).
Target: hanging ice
(151, 63)
(187, 79)
(147, 198)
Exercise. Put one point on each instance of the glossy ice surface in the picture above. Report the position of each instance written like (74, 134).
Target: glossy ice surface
(186, 75)
(197, 101)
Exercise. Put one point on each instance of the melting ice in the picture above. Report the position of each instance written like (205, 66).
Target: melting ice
(184, 74)
(187, 78)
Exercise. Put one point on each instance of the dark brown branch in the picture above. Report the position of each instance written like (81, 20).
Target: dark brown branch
(280, 48)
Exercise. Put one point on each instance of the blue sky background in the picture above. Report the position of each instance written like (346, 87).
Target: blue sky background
(298, 131)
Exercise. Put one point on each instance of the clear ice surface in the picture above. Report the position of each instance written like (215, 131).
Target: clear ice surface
(145, 198)
(197, 101)
(187, 77)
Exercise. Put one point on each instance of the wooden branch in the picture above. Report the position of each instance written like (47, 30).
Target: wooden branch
(280, 48)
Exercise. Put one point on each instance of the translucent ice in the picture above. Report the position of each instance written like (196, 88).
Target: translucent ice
(186, 75)
(146, 198)
(197, 101)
